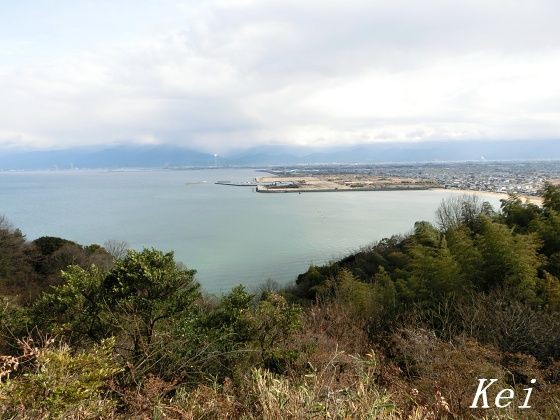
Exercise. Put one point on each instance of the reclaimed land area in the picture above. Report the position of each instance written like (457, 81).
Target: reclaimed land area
(342, 182)
(363, 182)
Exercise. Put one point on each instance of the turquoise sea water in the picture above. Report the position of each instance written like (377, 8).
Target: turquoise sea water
(230, 235)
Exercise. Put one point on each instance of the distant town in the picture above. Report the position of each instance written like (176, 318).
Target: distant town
(523, 178)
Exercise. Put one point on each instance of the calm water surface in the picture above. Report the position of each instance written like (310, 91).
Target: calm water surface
(230, 235)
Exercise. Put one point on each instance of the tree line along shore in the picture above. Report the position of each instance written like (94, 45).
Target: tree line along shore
(404, 328)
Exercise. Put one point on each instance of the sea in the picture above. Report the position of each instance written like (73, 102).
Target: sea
(230, 234)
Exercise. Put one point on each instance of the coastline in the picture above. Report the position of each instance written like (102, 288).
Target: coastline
(529, 198)
(304, 190)
(338, 183)
(526, 198)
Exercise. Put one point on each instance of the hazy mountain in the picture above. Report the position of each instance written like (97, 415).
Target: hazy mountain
(115, 157)
(402, 152)
(167, 155)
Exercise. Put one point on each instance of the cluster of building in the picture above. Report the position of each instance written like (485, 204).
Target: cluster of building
(525, 178)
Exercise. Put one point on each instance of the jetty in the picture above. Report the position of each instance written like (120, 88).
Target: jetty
(237, 184)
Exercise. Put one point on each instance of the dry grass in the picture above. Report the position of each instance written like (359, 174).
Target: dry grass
(269, 396)
(413, 375)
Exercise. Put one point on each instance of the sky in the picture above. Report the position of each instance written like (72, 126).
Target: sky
(220, 75)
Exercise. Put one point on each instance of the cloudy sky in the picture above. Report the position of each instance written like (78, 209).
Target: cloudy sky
(218, 75)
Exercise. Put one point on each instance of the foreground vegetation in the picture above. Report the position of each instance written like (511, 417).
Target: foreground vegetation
(401, 329)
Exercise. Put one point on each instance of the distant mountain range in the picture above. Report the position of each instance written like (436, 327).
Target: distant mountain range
(114, 157)
(401, 152)
(174, 156)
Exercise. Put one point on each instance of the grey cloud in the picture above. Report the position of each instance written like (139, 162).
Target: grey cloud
(219, 75)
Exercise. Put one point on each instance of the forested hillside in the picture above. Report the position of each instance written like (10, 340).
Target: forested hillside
(401, 329)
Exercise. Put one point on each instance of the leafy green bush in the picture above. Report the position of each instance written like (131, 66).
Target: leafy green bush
(272, 323)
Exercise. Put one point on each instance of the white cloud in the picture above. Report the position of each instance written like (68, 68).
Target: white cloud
(218, 75)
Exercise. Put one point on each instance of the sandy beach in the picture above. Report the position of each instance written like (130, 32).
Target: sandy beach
(531, 199)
